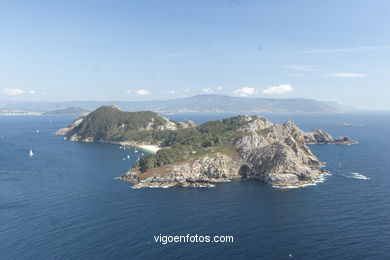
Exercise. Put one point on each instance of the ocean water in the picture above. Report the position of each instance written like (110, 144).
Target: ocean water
(64, 203)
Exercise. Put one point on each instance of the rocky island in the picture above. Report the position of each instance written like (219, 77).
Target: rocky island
(321, 137)
(240, 147)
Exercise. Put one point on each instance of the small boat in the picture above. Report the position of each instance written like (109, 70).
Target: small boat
(128, 156)
(30, 153)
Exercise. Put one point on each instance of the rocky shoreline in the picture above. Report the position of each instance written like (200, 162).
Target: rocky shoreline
(204, 172)
(160, 181)
(151, 148)
(321, 137)
(276, 154)
(262, 156)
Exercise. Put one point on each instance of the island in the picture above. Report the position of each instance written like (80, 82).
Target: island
(191, 155)
(319, 136)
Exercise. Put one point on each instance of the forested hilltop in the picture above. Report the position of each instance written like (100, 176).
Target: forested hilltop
(185, 140)
(109, 123)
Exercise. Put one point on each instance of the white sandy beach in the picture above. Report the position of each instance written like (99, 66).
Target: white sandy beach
(149, 148)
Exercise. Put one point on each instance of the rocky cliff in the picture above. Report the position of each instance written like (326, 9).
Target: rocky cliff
(203, 172)
(69, 128)
(276, 154)
(241, 147)
(321, 137)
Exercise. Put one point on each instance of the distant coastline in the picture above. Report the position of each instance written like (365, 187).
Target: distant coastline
(196, 104)
(19, 113)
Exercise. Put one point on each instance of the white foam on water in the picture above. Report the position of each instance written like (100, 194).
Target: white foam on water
(320, 179)
(356, 175)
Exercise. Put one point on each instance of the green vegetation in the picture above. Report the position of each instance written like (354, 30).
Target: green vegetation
(191, 143)
(110, 124)
(178, 153)
(164, 157)
(262, 131)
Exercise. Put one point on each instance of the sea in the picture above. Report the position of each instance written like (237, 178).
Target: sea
(65, 203)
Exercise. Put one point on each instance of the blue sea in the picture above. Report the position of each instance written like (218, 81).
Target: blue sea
(64, 203)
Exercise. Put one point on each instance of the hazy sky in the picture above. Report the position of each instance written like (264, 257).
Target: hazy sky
(137, 50)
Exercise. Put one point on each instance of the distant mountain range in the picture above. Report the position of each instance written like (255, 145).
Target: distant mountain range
(200, 103)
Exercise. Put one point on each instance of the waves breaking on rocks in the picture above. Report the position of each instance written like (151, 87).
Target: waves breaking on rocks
(356, 175)
(320, 179)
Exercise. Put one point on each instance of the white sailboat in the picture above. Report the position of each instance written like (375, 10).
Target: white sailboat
(30, 153)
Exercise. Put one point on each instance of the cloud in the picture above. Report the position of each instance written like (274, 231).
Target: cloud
(172, 92)
(211, 90)
(277, 90)
(307, 68)
(353, 49)
(208, 90)
(13, 91)
(18, 91)
(346, 75)
(141, 92)
(245, 91)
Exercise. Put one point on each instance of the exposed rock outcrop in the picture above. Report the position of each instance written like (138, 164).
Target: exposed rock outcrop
(321, 137)
(203, 172)
(279, 157)
(69, 128)
(241, 147)
(168, 125)
(274, 153)
(171, 125)
(187, 124)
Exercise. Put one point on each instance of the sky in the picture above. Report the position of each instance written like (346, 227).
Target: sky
(145, 50)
